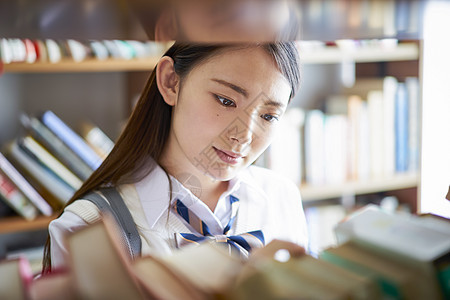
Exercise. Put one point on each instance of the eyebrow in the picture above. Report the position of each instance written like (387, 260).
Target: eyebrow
(273, 103)
(238, 89)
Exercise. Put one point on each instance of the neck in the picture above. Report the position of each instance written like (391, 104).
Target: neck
(204, 187)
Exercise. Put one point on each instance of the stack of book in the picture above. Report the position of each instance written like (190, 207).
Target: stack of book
(41, 171)
(382, 256)
(54, 51)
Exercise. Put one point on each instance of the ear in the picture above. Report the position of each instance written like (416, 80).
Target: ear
(167, 80)
(165, 27)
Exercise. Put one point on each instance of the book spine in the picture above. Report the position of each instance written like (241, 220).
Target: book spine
(401, 129)
(285, 150)
(335, 154)
(51, 163)
(389, 95)
(71, 139)
(412, 85)
(388, 288)
(23, 185)
(50, 141)
(314, 147)
(99, 141)
(16, 199)
(51, 183)
(376, 130)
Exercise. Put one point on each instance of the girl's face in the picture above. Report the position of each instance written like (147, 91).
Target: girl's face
(226, 113)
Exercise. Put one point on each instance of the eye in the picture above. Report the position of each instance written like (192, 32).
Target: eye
(269, 118)
(226, 102)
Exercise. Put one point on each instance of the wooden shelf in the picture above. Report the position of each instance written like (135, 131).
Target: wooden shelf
(333, 55)
(16, 224)
(397, 182)
(91, 65)
(327, 55)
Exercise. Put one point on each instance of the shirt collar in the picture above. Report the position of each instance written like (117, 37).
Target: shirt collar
(153, 191)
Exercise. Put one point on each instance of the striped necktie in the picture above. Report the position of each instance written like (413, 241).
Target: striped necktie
(241, 244)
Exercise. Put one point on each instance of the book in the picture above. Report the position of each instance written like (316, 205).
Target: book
(15, 277)
(50, 163)
(271, 279)
(161, 282)
(408, 239)
(328, 274)
(314, 147)
(209, 267)
(53, 286)
(46, 179)
(336, 146)
(376, 133)
(22, 184)
(197, 272)
(99, 264)
(354, 114)
(285, 150)
(54, 54)
(15, 199)
(389, 95)
(321, 220)
(71, 139)
(395, 281)
(55, 146)
(413, 90)
(97, 139)
(401, 129)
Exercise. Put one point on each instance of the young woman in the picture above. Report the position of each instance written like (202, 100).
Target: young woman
(206, 114)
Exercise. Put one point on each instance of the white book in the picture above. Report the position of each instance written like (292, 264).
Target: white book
(285, 150)
(364, 158)
(389, 93)
(399, 233)
(354, 115)
(53, 51)
(321, 222)
(336, 146)
(376, 130)
(314, 147)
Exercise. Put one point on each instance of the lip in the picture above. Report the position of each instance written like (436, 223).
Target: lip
(228, 156)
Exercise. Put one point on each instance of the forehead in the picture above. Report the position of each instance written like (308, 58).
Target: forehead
(251, 68)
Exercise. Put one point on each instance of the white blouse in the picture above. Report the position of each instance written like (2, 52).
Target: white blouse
(267, 202)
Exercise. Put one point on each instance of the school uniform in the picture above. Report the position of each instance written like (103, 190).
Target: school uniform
(267, 201)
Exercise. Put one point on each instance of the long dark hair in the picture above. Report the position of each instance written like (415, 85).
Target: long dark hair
(148, 127)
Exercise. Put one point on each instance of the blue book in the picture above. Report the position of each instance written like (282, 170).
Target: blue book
(401, 129)
(71, 139)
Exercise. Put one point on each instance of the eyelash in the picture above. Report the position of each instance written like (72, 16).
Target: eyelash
(264, 116)
(223, 99)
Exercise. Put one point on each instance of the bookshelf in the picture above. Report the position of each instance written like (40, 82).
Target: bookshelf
(333, 55)
(17, 224)
(90, 65)
(311, 193)
(323, 57)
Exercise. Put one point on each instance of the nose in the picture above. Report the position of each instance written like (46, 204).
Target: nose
(242, 129)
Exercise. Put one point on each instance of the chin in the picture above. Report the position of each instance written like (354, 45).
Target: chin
(224, 174)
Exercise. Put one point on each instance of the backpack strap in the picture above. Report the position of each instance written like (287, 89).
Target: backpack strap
(121, 213)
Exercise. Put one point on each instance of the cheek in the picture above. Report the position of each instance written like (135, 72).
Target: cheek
(262, 140)
(197, 120)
